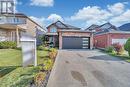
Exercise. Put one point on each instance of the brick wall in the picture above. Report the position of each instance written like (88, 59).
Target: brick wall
(101, 41)
(49, 28)
(105, 40)
(78, 34)
(118, 36)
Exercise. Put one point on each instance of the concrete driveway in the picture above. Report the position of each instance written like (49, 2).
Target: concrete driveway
(89, 68)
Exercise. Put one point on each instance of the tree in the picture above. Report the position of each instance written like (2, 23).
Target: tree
(127, 46)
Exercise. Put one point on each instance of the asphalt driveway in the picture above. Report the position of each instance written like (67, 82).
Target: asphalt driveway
(89, 68)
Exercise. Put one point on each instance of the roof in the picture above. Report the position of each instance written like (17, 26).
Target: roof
(125, 27)
(107, 27)
(92, 27)
(117, 32)
(62, 25)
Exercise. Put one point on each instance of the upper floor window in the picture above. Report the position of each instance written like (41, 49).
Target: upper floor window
(53, 30)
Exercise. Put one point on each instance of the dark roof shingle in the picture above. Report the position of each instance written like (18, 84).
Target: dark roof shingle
(61, 25)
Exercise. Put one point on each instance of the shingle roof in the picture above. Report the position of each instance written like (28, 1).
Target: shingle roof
(61, 25)
(125, 27)
(92, 27)
(107, 27)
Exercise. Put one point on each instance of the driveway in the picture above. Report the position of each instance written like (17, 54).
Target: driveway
(89, 68)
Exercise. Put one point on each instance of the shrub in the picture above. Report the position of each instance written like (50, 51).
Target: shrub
(8, 44)
(118, 48)
(52, 55)
(127, 46)
(52, 50)
(109, 49)
(48, 64)
(18, 48)
(39, 78)
(40, 47)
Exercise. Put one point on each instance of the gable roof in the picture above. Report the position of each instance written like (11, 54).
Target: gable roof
(61, 25)
(107, 27)
(92, 27)
(125, 27)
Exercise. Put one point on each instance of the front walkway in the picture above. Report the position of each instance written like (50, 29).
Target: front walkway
(85, 68)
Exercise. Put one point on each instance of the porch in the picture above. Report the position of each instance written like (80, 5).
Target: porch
(10, 32)
(52, 39)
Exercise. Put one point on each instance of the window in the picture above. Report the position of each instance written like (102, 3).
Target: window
(53, 30)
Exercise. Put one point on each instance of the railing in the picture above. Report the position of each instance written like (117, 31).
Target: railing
(12, 20)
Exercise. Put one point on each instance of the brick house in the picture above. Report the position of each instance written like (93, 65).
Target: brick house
(69, 37)
(13, 26)
(108, 34)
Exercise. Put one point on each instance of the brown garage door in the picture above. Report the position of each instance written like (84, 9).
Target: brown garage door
(75, 42)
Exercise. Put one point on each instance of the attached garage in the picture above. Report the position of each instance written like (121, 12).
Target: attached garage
(70, 42)
(75, 39)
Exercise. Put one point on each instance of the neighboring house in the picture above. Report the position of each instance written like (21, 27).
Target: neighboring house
(66, 36)
(108, 34)
(13, 26)
(92, 28)
(125, 27)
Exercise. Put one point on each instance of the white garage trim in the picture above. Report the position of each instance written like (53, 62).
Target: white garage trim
(120, 41)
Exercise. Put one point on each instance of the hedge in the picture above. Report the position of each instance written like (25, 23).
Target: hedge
(8, 45)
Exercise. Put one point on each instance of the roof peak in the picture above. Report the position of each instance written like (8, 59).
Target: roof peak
(62, 25)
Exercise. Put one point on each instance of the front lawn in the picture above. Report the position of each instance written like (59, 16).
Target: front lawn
(12, 74)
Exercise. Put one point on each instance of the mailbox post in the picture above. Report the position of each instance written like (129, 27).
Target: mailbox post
(28, 45)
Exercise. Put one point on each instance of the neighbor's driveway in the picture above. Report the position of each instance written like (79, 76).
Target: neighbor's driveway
(85, 68)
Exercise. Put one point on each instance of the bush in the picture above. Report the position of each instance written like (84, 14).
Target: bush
(48, 64)
(52, 53)
(109, 49)
(127, 46)
(39, 78)
(52, 50)
(40, 47)
(18, 48)
(118, 48)
(8, 45)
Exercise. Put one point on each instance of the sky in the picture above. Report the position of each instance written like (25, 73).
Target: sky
(80, 13)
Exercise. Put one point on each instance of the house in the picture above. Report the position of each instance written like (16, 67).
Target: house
(14, 25)
(66, 36)
(108, 34)
(92, 28)
(125, 27)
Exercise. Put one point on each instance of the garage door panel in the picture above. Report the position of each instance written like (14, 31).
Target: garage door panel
(75, 43)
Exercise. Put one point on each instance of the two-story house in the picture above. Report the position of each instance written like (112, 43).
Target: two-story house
(14, 25)
(12, 28)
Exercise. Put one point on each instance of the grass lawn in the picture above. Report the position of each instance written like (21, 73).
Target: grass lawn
(12, 74)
